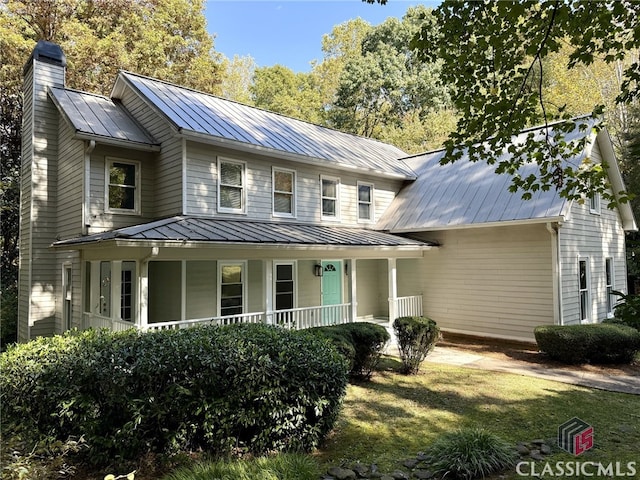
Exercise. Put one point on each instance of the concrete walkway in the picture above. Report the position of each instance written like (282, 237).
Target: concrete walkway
(614, 383)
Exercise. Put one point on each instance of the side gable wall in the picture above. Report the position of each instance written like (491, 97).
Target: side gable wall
(594, 237)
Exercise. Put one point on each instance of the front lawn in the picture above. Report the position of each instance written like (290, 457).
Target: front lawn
(394, 417)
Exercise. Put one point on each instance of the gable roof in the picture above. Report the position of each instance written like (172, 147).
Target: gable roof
(467, 194)
(227, 232)
(228, 123)
(94, 117)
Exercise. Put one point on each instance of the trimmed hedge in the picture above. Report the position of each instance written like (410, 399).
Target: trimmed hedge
(361, 343)
(417, 336)
(595, 343)
(241, 388)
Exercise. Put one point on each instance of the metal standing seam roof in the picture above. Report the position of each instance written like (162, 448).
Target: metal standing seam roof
(99, 116)
(192, 111)
(466, 193)
(224, 231)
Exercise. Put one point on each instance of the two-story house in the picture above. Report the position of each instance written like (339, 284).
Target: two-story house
(163, 207)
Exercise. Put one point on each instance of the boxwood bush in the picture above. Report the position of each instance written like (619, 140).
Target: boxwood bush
(241, 388)
(596, 343)
(417, 336)
(361, 343)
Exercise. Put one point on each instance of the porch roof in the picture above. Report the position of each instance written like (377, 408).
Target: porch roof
(181, 229)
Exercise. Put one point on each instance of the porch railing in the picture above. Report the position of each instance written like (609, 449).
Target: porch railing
(295, 318)
(410, 306)
(92, 320)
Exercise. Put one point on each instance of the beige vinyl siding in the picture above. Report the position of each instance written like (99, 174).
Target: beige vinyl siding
(201, 198)
(201, 289)
(98, 218)
(592, 237)
(70, 183)
(372, 288)
(165, 293)
(168, 163)
(308, 285)
(40, 177)
(487, 281)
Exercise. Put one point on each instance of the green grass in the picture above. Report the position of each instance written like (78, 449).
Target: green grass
(394, 417)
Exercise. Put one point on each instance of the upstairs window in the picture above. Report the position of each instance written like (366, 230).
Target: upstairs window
(231, 186)
(330, 188)
(365, 202)
(594, 204)
(284, 185)
(123, 186)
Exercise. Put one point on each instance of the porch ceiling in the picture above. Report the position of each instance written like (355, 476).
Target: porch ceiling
(211, 231)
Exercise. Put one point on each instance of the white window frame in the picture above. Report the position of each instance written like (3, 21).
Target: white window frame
(109, 161)
(610, 271)
(595, 204)
(275, 170)
(243, 186)
(336, 180)
(243, 277)
(585, 316)
(294, 269)
(371, 204)
(133, 268)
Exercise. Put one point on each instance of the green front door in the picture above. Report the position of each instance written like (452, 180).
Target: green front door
(331, 289)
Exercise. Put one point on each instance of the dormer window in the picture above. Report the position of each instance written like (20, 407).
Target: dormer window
(231, 186)
(123, 186)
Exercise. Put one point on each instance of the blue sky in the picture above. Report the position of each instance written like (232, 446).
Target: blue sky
(288, 32)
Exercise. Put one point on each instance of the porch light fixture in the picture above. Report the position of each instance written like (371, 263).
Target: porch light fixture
(317, 270)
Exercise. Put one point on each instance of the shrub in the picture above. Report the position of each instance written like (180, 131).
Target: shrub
(628, 309)
(247, 388)
(417, 336)
(361, 343)
(469, 453)
(286, 466)
(597, 343)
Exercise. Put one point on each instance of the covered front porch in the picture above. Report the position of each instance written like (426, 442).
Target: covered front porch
(289, 275)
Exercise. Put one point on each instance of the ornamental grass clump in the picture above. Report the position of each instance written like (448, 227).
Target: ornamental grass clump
(416, 336)
(470, 453)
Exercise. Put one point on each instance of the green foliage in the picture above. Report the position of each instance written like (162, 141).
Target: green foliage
(500, 91)
(628, 309)
(417, 336)
(470, 453)
(361, 343)
(242, 388)
(596, 343)
(285, 466)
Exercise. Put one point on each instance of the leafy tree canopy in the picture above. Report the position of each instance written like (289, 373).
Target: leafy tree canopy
(494, 55)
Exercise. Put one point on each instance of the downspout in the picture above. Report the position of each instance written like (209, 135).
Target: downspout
(91, 145)
(553, 229)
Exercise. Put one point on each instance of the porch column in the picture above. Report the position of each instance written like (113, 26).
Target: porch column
(116, 289)
(94, 287)
(353, 296)
(268, 290)
(393, 289)
(143, 314)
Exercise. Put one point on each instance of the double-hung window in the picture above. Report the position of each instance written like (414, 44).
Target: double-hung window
(284, 285)
(231, 281)
(583, 289)
(330, 197)
(365, 202)
(611, 299)
(594, 204)
(231, 186)
(284, 193)
(123, 186)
